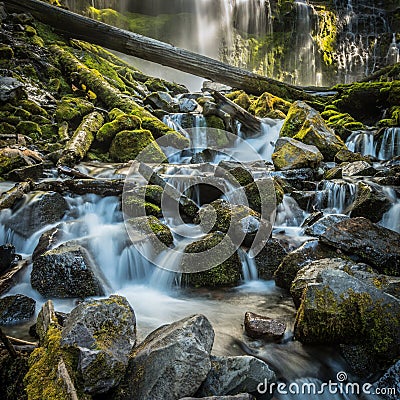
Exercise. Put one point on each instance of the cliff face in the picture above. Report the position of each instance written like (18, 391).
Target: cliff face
(302, 42)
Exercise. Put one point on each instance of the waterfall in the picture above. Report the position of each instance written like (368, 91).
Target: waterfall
(361, 29)
(305, 58)
(393, 54)
(340, 194)
(391, 219)
(383, 147)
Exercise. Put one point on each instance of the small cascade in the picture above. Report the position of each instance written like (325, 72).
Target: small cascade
(252, 16)
(289, 214)
(340, 194)
(391, 219)
(304, 60)
(249, 268)
(393, 54)
(362, 142)
(384, 147)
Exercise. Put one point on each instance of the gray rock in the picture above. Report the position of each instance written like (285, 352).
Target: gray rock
(292, 154)
(391, 379)
(297, 259)
(341, 309)
(170, 363)
(43, 209)
(67, 271)
(319, 227)
(269, 258)
(370, 202)
(258, 326)
(11, 89)
(373, 244)
(47, 241)
(104, 332)
(234, 375)
(16, 308)
(162, 100)
(358, 168)
(310, 272)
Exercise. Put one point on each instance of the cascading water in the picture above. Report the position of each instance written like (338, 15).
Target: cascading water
(391, 219)
(361, 27)
(305, 57)
(393, 54)
(383, 147)
(339, 195)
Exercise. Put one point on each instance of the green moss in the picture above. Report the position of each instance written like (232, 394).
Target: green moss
(269, 106)
(21, 113)
(33, 107)
(73, 109)
(212, 121)
(150, 224)
(107, 132)
(50, 131)
(115, 113)
(128, 145)
(6, 52)
(135, 206)
(29, 128)
(42, 381)
(6, 128)
(225, 274)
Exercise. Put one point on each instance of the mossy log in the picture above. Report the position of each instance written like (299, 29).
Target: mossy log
(113, 98)
(80, 143)
(79, 27)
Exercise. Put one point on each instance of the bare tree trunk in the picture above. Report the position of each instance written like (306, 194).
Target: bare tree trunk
(76, 26)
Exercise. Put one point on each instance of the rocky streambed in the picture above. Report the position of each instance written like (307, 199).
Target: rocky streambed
(172, 245)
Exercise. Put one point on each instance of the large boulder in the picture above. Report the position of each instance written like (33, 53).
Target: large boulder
(339, 308)
(371, 202)
(319, 227)
(67, 271)
(292, 154)
(16, 308)
(308, 274)
(297, 259)
(371, 243)
(358, 168)
(234, 375)
(104, 332)
(216, 254)
(170, 363)
(269, 258)
(11, 89)
(129, 144)
(42, 209)
(305, 124)
(241, 222)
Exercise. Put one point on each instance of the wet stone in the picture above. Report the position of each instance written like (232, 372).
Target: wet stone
(258, 326)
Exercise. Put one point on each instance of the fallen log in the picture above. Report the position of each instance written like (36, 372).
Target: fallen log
(80, 143)
(76, 26)
(101, 187)
(249, 121)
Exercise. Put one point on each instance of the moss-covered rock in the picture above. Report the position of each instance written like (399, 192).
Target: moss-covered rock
(292, 154)
(6, 52)
(12, 373)
(135, 205)
(129, 145)
(226, 273)
(305, 124)
(371, 202)
(150, 229)
(11, 158)
(108, 131)
(73, 109)
(29, 128)
(344, 156)
(269, 106)
(339, 308)
(270, 198)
